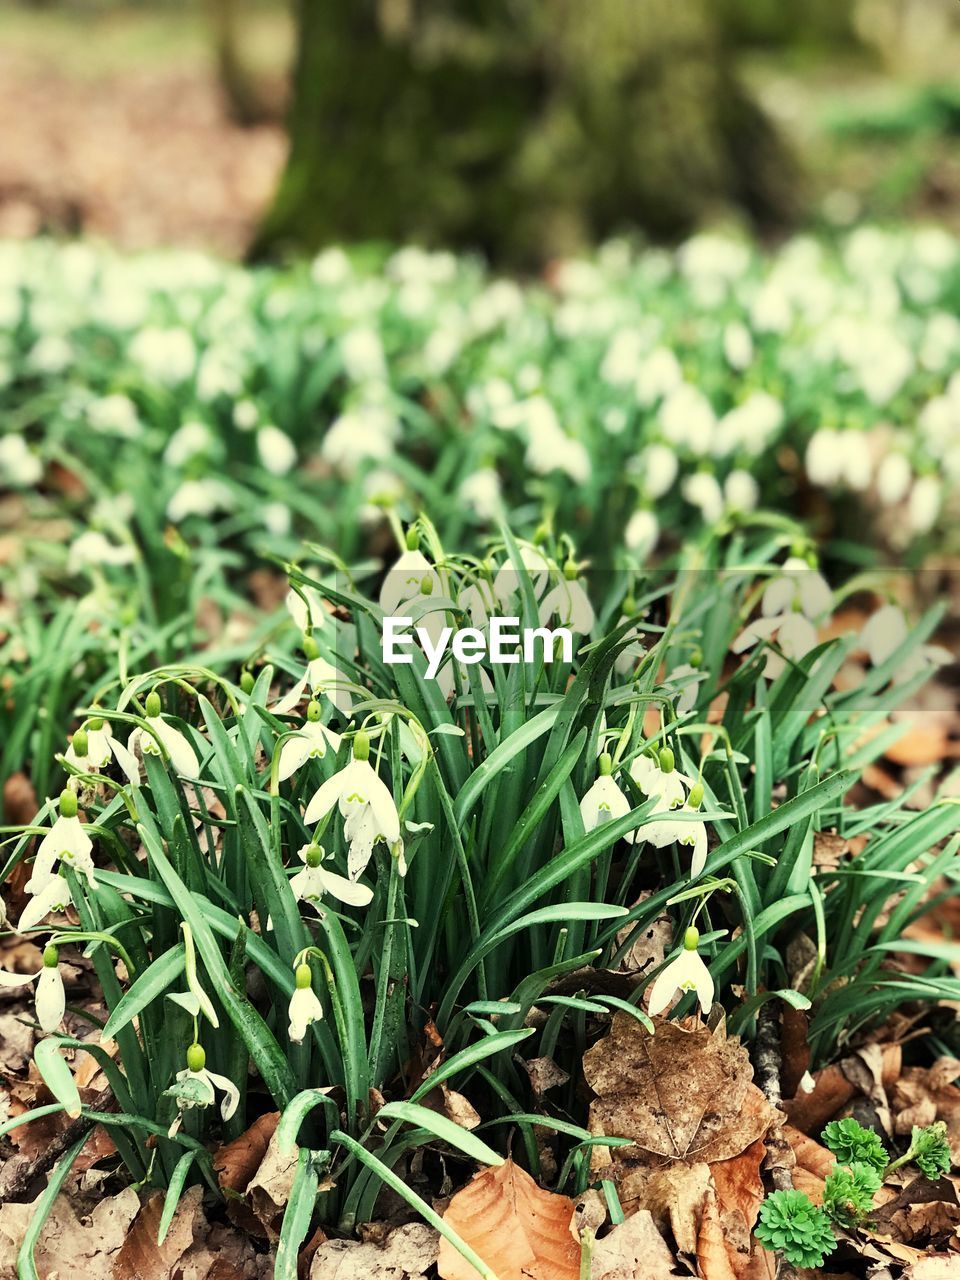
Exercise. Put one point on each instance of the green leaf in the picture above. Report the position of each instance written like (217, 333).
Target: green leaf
(148, 986)
(57, 1076)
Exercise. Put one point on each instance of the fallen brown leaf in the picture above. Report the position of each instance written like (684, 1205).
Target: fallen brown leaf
(141, 1256)
(677, 1094)
(633, 1248)
(739, 1194)
(406, 1253)
(713, 1260)
(73, 1243)
(518, 1229)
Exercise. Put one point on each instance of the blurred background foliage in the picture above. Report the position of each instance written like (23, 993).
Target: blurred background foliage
(527, 128)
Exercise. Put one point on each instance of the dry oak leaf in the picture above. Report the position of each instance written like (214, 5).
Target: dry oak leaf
(519, 1230)
(407, 1253)
(679, 1095)
(67, 1244)
(674, 1193)
(713, 1260)
(634, 1250)
(739, 1197)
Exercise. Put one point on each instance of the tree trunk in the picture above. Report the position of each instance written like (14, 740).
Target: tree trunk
(524, 129)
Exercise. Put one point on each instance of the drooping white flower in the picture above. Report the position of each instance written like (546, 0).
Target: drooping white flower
(310, 742)
(53, 896)
(321, 679)
(508, 578)
(795, 636)
(92, 550)
(657, 468)
(667, 786)
(198, 1087)
(570, 603)
(50, 1000)
(276, 450)
(687, 699)
(604, 801)
(797, 587)
(310, 884)
(686, 972)
(182, 755)
(883, 634)
(65, 842)
(642, 532)
(305, 606)
(100, 747)
(365, 802)
(305, 1007)
(404, 580)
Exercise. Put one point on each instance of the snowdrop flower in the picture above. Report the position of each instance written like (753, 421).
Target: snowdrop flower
(182, 756)
(797, 586)
(507, 581)
(604, 801)
(331, 267)
(883, 634)
(687, 420)
(823, 457)
(115, 415)
(54, 896)
(365, 803)
(642, 532)
(52, 354)
(191, 440)
(92, 549)
(305, 606)
(321, 679)
(893, 479)
(276, 451)
(737, 346)
(686, 972)
(18, 466)
(304, 1007)
(276, 518)
(310, 884)
(480, 491)
(362, 353)
(197, 1087)
(199, 498)
(741, 492)
(308, 743)
(50, 1000)
(694, 834)
(169, 355)
(94, 746)
(66, 842)
(360, 435)
(657, 467)
(660, 780)
(657, 377)
(404, 581)
(569, 601)
(795, 636)
(702, 490)
(923, 505)
(687, 699)
(620, 364)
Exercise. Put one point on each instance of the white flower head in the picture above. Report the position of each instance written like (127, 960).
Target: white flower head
(794, 635)
(50, 1000)
(365, 803)
(404, 580)
(322, 680)
(604, 801)
(305, 1007)
(197, 1087)
(94, 746)
(686, 972)
(569, 602)
(182, 755)
(65, 842)
(797, 587)
(309, 743)
(314, 881)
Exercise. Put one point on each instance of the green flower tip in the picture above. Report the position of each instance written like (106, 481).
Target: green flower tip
(302, 977)
(313, 711)
(426, 584)
(696, 795)
(413, 538)
(691, 939)
(696, 658)
(629, 605)
(196, 1058)
(95, 725)
(68, 804)
(153, 704)
(852, 1144)
(931, 1150)
(80, 744)
(51, 956)
(361, 746)
(246, 682)
(314, 856)
(311, 650)
(791, 1223)
(666, 760)
(605, 764)
(570, 569)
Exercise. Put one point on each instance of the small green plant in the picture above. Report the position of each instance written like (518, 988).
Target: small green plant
(791, 1224)
(852, 1144)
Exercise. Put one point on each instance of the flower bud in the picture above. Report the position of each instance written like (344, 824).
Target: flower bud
(605, 764)
(413, 538)
(68, 804)
(570, 569)
(196, 1058)
(95, 724)
(426, 584)
(302, 977)
(361, 746)
(314, 856)
(696, 795)
(80, 744)
(246, 682)
(153, 704)
(313, 711)
(696, 658)
(311, 650)
(691, 939)
(629, 605)
(665, 760)
(51, 956)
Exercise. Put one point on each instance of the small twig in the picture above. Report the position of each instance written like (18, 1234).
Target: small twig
(769, 1062)
(20, 1181)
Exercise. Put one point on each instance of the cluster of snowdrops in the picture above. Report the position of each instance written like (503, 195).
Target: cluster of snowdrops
(635, 396)
(280, 878)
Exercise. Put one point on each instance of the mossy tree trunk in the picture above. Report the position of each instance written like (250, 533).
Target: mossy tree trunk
(524, 129)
